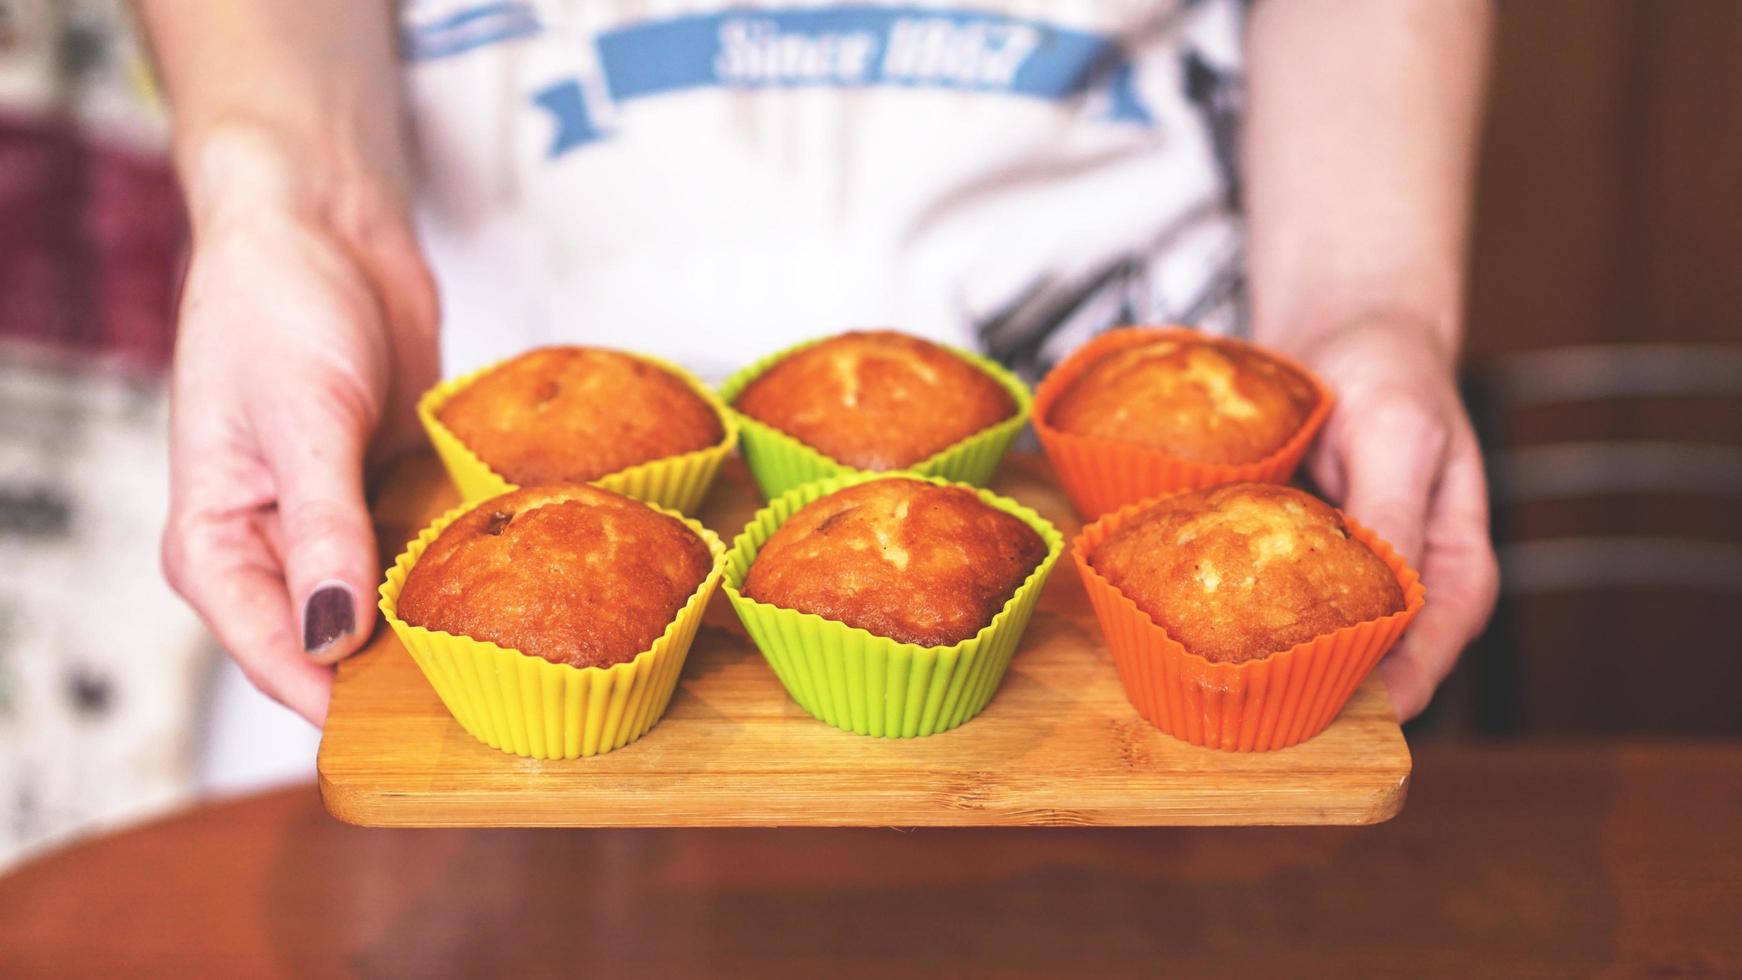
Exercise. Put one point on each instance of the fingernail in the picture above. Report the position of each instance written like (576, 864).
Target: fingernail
(328, 615)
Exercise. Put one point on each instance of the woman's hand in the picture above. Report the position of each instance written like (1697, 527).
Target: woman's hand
(1398, 454)
(307, 329)
(1358, 154)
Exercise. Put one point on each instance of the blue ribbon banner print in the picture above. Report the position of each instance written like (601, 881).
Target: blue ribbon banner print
(840, 46)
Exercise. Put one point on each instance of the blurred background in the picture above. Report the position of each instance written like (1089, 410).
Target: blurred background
(1603, 366)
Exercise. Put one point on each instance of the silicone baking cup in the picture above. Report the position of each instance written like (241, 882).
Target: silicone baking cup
(529, 706)
(780, 462)
(873, 685)
(679, 482)
(1281, 700)
(1102, 475)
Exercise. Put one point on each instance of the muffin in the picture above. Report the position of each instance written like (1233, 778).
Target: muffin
(912, 561)
(1196, 398)
(575, 414)
(1239, 572)
(570, 573)
(876, 400)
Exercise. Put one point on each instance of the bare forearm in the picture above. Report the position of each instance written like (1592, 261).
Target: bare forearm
(1361, 123)
(311, 84)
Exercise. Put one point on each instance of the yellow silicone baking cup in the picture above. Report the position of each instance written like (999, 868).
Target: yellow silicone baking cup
(528, 706)
(873, 685)
(679, 482)
(780, 462)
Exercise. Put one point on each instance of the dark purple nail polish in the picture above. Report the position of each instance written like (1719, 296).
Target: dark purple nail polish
(329, 614)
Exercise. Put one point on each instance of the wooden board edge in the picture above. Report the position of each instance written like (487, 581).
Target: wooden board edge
(1388, 804)
(368, 808)
(353, 802)
(343, 804)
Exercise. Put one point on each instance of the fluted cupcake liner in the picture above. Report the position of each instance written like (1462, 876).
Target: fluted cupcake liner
(1102, 475)
(780, 462)
(1272, 703)
(873, 685)
(529, 706)
(679, 482)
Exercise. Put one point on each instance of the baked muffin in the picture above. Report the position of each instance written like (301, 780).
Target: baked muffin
(1245, 570)
(913, 561)
(574, 414)
(1196, 398)
(571, 573)
(876, 400)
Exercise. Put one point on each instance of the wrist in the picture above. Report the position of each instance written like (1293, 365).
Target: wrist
(238, 170)
(1313, 331)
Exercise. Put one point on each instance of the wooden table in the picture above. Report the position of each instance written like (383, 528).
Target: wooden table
(1532, 859)
(1059, 745)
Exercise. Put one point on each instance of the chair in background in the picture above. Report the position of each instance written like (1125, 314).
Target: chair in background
(1616, 483)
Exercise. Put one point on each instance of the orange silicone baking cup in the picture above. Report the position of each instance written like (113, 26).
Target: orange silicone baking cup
(1102, 475)
(1282, 700)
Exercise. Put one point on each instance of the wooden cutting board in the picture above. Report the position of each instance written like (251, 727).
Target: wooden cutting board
(1058, 745)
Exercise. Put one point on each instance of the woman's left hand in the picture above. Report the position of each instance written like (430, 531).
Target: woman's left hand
(1399, 455)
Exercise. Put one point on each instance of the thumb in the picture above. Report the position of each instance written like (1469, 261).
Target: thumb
(1391, 462)
(330, 564)
(410, 308)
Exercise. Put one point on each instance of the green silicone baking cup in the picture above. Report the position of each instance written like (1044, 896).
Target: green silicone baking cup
(873, 685)
(780, 462)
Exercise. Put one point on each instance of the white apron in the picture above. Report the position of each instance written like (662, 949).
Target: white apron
(710, 182)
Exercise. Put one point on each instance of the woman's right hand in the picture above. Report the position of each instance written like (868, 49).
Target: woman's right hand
(307, 330)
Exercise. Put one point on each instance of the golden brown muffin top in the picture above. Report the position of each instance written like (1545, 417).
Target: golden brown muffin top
(1242, 571)
(1200, 399)
(909, 560)
(571, 573)
(876, 400)
(573, 414)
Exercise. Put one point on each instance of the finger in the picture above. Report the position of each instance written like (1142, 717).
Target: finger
(1326, 471)
(1462, 579)
(224, 571)
(405, 286)
(1391, 462)
(1325, 462)
(407, 295)
(315, 452)
(271, 531)
(1407, 682)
